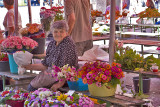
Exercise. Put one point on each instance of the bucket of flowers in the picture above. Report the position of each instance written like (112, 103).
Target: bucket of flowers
(4, 62)
(102, 78)
(14, 98)
(17, 43)
(45, 98)
(47, 17)
(35, 32)
(71, 75)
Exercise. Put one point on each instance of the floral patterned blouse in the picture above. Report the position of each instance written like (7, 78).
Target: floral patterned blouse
(64, 53)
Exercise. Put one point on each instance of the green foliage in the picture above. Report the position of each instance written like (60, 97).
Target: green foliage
(130, 60)
(114, 82)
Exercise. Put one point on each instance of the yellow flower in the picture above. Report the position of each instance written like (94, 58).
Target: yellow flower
(62, 97)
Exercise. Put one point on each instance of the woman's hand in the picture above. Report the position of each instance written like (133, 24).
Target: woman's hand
(57, 85)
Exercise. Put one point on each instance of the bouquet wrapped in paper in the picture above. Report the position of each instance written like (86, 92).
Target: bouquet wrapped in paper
(47, 17)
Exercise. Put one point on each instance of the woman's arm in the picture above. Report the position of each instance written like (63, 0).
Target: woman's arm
(38, 67)
(58, 85)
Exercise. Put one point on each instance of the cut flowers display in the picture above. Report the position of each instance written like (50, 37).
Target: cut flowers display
(33, 31)
(65, 72)
(4, 57)
(12, 94)
(45, 98)
(59, 12)
(17, 43)
(100, 72)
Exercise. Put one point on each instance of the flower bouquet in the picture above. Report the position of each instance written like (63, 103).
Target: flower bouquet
(14, 98)
(101, 77)
(47, 16)
(16, 43)
(71, 75)
(45, 98)
(59, 12)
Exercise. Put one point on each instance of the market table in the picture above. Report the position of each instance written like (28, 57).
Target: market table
(119, 100)
(97, 38)
(141, 42)
(26, 76)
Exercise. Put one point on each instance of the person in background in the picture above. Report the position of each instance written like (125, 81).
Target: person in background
(9, 18)
(60, 51)
(150, 4)
(77, 13)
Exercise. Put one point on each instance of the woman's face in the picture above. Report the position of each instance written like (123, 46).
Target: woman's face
(59, 35)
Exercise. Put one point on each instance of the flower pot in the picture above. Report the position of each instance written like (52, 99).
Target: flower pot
(102, 91)
(146, 84)
(12, 64)
(77, 85)
(15, 103)
(4, 66)
(41, 46)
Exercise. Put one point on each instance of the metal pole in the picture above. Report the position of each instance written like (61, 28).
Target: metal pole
(112, 32)
(29, 11)
(16, 16)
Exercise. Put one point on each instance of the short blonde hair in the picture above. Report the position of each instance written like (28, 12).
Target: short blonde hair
(9, 2)
(60, 25)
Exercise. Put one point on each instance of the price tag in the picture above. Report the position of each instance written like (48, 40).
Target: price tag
(70, 92)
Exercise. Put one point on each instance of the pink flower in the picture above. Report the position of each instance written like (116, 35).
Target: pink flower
(19, 46)
(104, 77)
(98, 84)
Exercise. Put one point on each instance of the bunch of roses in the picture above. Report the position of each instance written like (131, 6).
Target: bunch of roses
(100, 72)
(67, 72)
(16, 43)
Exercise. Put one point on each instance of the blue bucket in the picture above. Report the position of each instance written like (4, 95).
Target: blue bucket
(12, 64)
(77, 85)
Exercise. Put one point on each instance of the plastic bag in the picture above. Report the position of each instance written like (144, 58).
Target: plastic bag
(22, 58)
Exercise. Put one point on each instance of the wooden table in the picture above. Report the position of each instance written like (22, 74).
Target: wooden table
(97, 38)
(118, 100)
(26, 76)
(141, 42)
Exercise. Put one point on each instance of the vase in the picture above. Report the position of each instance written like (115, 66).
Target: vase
(77, 85)
(41, 46)
(15, 103)
(4, 66)
(103, 91)
(12, 64)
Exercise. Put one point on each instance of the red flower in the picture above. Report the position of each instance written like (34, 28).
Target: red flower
(4, 93)
(16, 96)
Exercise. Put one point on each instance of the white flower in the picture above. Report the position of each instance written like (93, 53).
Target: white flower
(68, 99)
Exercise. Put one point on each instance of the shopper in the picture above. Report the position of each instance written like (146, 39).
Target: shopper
(60, 51)
(150, 4)
(9, 18)
(77, 13)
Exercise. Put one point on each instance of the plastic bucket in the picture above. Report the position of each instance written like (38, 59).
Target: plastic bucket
(77, 85)
(12, 64)
(146, 84)
(4, 66)
(41, 46)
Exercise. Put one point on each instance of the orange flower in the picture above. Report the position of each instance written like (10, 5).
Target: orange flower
(114, 64)
(108, 66)
(85, 80)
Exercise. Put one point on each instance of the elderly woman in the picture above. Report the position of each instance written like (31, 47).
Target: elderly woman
(8, 22)
(60, 51)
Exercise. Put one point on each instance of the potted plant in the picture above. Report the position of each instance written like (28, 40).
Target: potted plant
(71, 75)
(102, 78)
